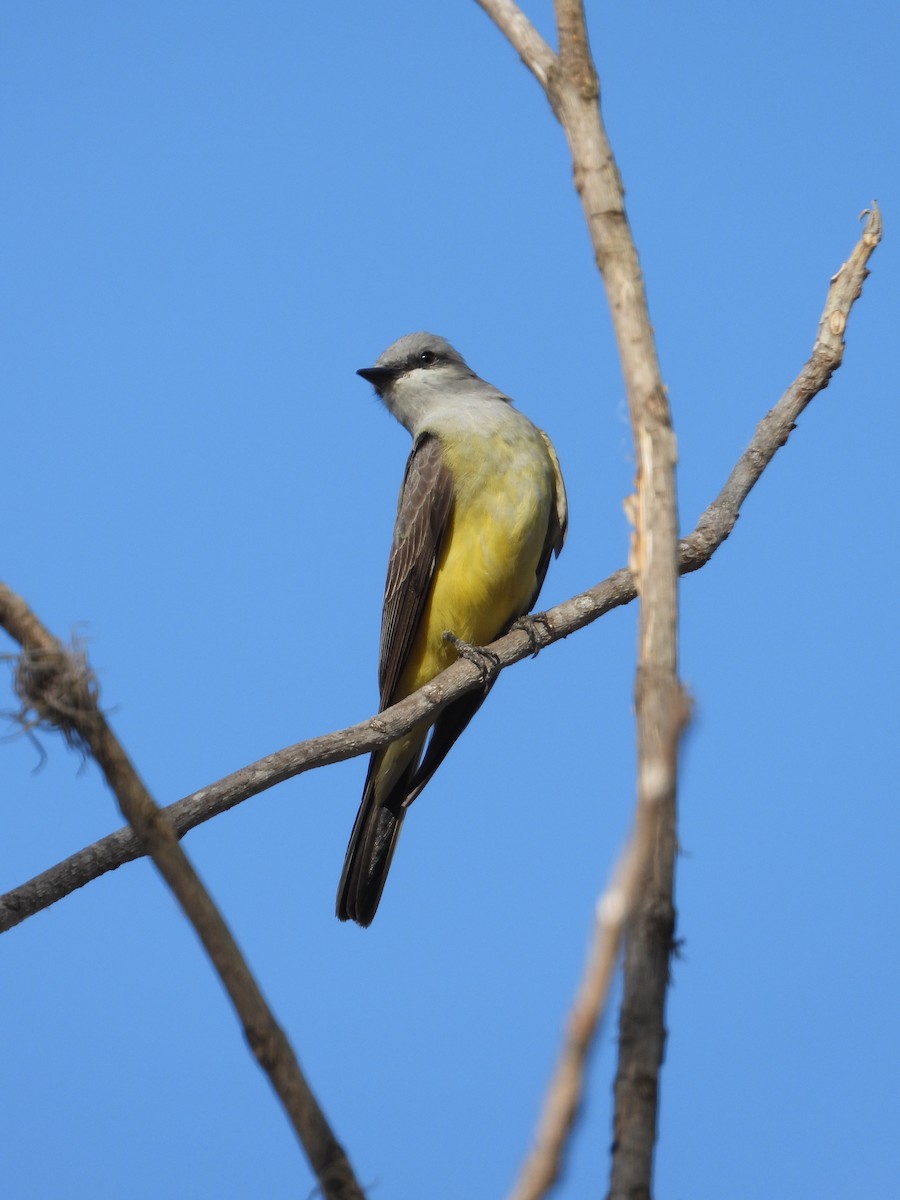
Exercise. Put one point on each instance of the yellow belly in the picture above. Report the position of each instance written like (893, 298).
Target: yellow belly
(486, 573)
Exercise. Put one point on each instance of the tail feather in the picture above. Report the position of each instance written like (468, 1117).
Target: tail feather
(447, 729)
(377, 826)
(371, 849)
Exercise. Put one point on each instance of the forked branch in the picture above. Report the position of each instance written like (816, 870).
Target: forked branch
(644, 880)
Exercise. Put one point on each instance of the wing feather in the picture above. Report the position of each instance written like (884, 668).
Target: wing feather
(423, 512)
(556, 526)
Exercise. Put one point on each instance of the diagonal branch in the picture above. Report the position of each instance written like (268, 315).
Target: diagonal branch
(60, 689)
(776, 427)
(523, 37)
(696, 549)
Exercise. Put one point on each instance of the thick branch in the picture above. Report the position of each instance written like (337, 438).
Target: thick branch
(60, 690)
(712, 529)
(573, 91)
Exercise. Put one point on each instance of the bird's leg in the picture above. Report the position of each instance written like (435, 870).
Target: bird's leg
(536, 628)
(487, 662)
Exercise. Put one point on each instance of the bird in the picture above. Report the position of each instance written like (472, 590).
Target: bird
(481, 509)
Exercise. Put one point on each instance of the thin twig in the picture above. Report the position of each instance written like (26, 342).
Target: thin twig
(712, 529)
(775, 428)
(58, 686)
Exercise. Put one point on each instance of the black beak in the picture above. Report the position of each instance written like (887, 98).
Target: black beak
(379, 377)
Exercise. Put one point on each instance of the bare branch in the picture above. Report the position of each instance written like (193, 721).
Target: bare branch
(543, 1166)
(775, 428)
(574, 52)
(123, 846)
(522, 35)
(562, 1103)
(656, 560)
(573, 91)
(57, 686)
(712, 529)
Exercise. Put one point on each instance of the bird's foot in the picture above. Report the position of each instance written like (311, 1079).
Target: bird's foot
(487, 662)
(536, 628)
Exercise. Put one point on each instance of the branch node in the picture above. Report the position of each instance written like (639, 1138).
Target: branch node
(58, 690)
(837, 322)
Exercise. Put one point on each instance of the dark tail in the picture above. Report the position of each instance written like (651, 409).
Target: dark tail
(377, 826)
(371, 848)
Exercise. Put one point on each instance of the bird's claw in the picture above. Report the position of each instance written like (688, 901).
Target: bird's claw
(530, 624)
(487, 662)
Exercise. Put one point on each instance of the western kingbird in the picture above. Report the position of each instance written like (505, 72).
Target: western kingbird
(482, 507)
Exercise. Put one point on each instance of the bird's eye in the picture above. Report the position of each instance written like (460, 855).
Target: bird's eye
(427, 357)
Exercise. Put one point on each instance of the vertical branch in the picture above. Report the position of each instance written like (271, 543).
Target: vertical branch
(573, 90)
(660, 706)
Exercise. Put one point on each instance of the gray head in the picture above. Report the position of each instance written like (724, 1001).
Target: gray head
(412, 353)
(422, 372)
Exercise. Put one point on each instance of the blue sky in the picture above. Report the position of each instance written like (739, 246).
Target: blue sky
(212, 214)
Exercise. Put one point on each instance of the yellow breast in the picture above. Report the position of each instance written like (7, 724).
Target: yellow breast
(486, 572)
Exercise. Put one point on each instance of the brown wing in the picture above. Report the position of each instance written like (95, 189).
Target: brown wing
(423, 511)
